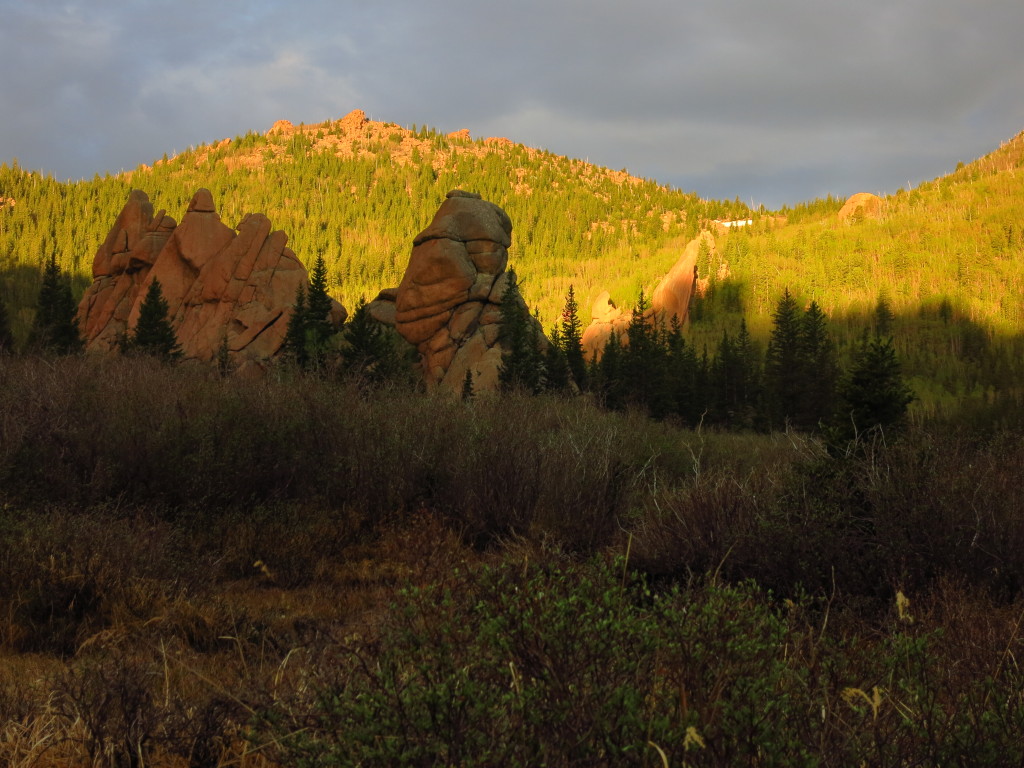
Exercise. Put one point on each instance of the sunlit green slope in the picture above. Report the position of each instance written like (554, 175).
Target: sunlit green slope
(946, 259)
(357, 192)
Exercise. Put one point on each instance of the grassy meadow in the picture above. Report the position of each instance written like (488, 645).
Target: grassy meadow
(207, 571)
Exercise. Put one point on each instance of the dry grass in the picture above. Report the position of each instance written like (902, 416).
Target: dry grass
(174, 569)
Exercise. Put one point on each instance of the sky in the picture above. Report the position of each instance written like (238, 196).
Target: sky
(772, 101)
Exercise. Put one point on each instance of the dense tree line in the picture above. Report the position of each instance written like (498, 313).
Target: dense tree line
(797, 382)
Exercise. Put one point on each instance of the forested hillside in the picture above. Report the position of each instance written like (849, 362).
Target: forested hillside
(941, 267)
(357, 191)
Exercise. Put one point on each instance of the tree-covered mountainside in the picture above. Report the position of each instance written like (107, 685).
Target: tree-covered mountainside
(356, 192)
(940, 267)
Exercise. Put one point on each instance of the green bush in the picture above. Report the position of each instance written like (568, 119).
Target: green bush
(588, 665)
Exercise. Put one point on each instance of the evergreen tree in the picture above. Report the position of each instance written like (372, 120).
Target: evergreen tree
(874, 394)
(224, 364)
(55, 327)
(645, 376)
(784, 370)
(467, 386)
(611, 378)
(295, 335)
(520, 364)
(725, 376)
(571, 333)
(883, 316)
(366, 349)
(154, 334)
(556, 366)
(6, 337)
(317, 323)
(749, 355)
(822, 365)
(734, 380)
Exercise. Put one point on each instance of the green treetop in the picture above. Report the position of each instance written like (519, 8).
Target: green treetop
(154, 334)
(874, 394)
(55, 327)
(571, 338)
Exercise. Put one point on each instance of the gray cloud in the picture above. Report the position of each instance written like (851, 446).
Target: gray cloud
(775, 102)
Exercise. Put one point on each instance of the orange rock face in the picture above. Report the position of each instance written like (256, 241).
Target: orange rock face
(862, 205)
(354, 120)
(219, 283)
(671, 298)
(448, 303)
(606, 320)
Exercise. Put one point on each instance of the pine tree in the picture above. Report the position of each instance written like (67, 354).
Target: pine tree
(153, 333)
(610, 376)
(749, 355)
(735, 380)
(874, 394)
(295, 335)
(784, 369)
(822, 369)
(644, 363)
(317, 323)
(556, 366)
(571, 333)
(366, 350)
(520, 363)
(467, 386)
(883, 316)
(224, 364)
(682, 367)
(6, 337)
(55, 327)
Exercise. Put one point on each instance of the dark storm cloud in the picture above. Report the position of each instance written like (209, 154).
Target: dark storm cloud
(775, 102)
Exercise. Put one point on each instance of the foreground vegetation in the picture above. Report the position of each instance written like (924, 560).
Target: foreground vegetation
(206, 571)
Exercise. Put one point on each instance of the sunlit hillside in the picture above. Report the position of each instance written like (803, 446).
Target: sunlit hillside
(946, 259)
(358, 191)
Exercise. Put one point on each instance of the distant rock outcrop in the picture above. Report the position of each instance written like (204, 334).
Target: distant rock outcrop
(606, 320)
(671, 298)
(220, 284)
(862, 205)
(448, 304)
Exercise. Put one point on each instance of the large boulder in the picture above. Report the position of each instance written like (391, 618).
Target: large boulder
(860, 206)
(448, 304)
(221, 284)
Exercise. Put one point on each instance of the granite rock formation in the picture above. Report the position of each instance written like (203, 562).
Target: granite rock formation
(862, 205)
(448, 304)
(606, 319)
(671, 298)
(220, 283)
